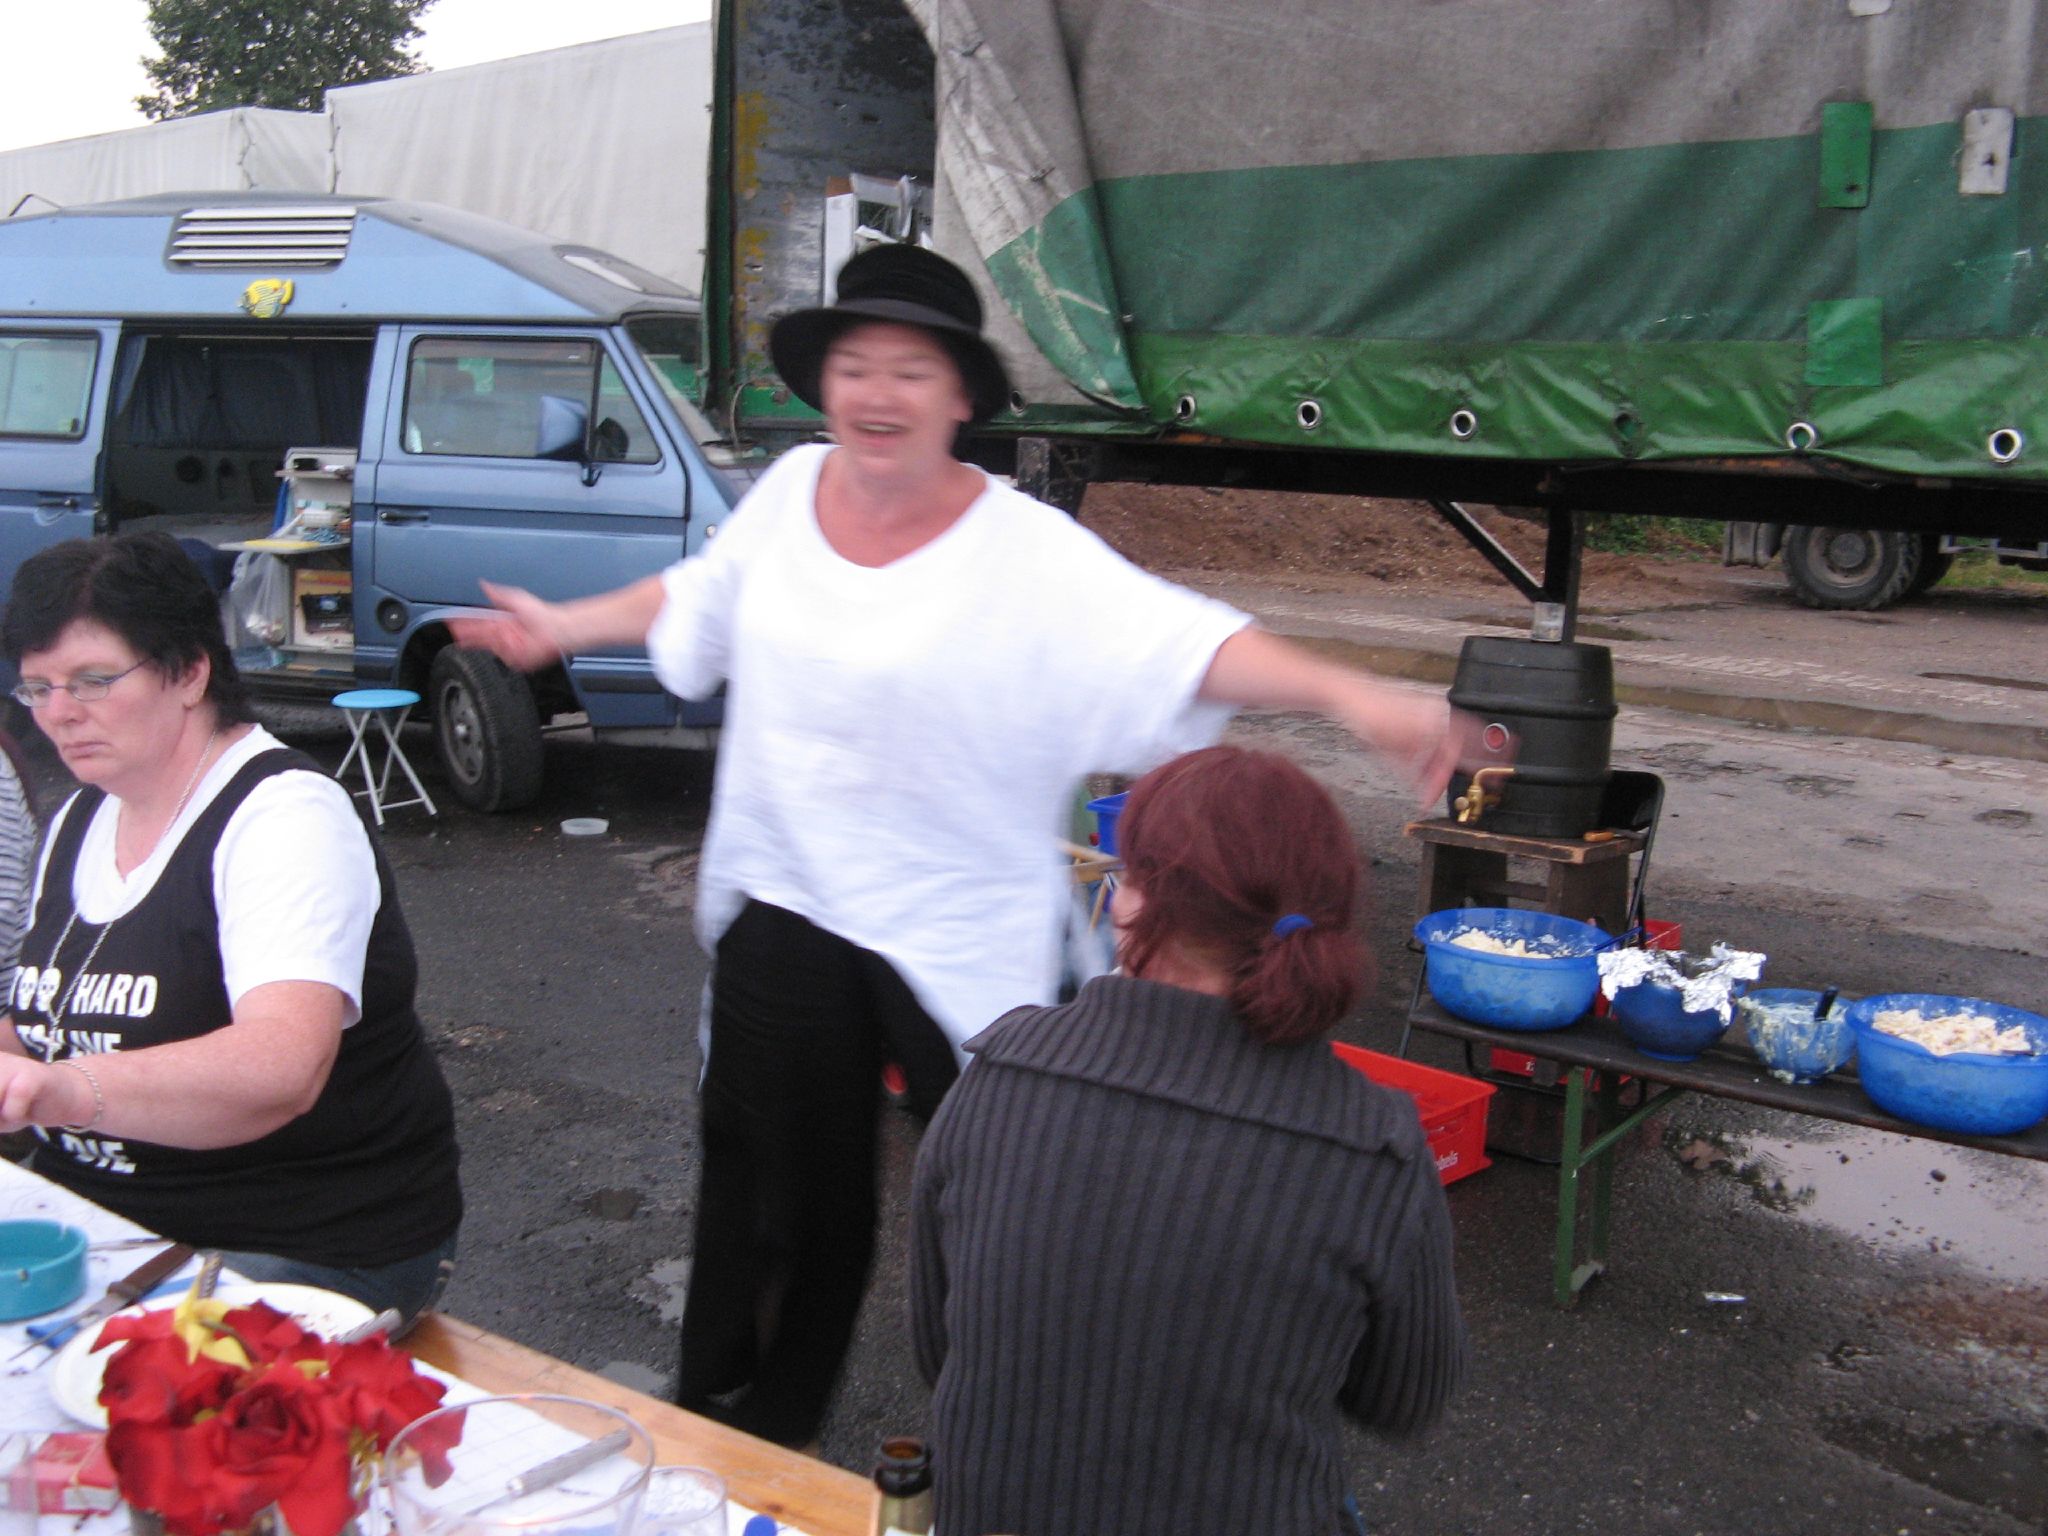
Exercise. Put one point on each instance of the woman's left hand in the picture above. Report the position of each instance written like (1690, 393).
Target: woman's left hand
(1419, 734)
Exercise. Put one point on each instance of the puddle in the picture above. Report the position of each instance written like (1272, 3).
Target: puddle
(1904, 1195)
(1586, 629)
(2032, 685)
(2004, 818)
(611, 1204)
(1994, 1466)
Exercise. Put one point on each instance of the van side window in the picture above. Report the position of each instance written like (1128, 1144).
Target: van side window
(515, 398)
(45, 385)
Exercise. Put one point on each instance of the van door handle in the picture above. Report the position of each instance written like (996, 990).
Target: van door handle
(395, 515)
(57, 502)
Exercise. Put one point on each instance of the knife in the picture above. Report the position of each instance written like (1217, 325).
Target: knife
(549, 1474)
(124, 1292)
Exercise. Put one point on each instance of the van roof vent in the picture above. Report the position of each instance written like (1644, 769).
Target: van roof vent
(269, 236)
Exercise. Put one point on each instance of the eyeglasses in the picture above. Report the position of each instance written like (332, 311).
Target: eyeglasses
(86, 688)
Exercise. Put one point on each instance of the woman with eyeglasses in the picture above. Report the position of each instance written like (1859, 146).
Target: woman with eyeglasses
(213, 1027)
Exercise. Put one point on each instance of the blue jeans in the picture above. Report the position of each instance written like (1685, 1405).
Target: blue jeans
(409, 1287)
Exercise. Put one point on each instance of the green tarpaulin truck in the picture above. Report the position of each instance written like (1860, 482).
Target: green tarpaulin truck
(1782, 264)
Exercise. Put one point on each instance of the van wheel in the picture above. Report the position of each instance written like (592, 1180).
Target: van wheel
(486, 730)
(1850, 567)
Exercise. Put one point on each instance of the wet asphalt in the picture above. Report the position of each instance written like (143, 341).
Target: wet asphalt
(1882, 1370)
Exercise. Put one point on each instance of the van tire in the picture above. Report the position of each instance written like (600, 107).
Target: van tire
(486, 730)
(1862, 568)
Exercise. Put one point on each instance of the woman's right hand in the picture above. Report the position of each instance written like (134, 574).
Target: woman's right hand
(33, 1093)
(525, 632)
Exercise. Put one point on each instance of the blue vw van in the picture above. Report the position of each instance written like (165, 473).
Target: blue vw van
(490, 404)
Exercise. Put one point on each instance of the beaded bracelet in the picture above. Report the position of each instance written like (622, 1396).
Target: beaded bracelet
(99, 1100)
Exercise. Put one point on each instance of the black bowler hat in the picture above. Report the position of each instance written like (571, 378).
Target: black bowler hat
(906, 285)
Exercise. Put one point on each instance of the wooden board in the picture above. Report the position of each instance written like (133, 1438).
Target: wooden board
(817, 1498)
(1562, 850)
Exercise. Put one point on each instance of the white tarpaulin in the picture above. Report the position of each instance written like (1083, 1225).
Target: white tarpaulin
(241, 150)
(605, 145)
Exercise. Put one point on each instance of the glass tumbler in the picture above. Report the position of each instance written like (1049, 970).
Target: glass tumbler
(522, 1465)
(683, 1501)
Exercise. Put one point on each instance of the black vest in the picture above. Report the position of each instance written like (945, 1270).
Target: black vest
(364, 1178)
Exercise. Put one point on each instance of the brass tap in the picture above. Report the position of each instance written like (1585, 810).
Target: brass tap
(1477, 798)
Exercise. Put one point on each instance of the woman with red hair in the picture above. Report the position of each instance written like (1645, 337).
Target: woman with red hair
(1161, 1237)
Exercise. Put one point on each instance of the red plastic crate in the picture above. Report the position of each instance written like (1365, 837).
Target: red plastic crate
(1453, 1108)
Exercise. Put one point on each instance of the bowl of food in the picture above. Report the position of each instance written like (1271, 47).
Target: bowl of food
(1509, 968)
(1957, 1064)
(42, 1267)
(1795, 1043)
(1654, 1019)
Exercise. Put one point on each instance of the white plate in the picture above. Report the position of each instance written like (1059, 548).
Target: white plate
(75, 1373)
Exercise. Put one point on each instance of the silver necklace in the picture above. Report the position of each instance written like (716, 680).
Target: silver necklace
(59, 1006)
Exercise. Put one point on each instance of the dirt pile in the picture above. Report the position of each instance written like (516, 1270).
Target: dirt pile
(1326, 542)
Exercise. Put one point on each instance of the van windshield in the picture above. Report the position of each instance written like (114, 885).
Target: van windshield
(669, 344)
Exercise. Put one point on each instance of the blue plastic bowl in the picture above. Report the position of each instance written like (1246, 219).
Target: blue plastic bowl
(1654, 1019)
(42, 1268)
(1793, 1045)
(1972, 1093)
(1509, 991)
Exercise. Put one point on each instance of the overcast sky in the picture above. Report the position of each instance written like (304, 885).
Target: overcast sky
(75, 65)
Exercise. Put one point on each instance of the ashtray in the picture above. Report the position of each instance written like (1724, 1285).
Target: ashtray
(42, 1268)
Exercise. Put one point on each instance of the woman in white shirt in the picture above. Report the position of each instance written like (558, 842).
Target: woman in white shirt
(213, 1027)
(921, 665)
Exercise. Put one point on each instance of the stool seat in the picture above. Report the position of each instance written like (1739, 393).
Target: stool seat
(376, 698)
(388, 707)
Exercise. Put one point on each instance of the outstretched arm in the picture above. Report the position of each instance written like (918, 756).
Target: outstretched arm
(1420, 734)
(527, 632)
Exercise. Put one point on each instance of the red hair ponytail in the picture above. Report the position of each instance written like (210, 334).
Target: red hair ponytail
(1227, 847)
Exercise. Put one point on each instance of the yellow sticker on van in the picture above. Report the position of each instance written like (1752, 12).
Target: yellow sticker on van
(266, 298)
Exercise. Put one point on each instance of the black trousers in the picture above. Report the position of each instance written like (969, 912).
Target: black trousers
(801, 1024)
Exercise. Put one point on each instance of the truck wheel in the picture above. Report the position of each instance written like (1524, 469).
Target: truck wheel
(486, 730)
(1934, 564)
(1850, 567)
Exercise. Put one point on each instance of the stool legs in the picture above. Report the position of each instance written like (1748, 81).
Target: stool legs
(358, 749)
(377, 785)
(393, 754)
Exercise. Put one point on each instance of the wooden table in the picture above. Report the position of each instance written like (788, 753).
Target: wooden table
(817, 1498)
(1596, 1057)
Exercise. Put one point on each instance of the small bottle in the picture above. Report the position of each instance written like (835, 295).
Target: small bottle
(903, 1476)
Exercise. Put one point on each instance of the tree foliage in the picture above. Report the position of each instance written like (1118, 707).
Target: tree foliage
(273, 53)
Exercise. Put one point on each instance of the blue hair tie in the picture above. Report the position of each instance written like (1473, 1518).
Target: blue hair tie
(1293, 922)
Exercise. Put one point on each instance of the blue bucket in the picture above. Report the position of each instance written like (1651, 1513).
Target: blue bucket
(1971, 1093)
(1106, 810)
(1654, 1019)
(1510, 991)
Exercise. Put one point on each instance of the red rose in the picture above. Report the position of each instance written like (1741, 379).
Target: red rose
(150, 1380)
(383, 1393)
(268, 1335)
(281, 1440)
